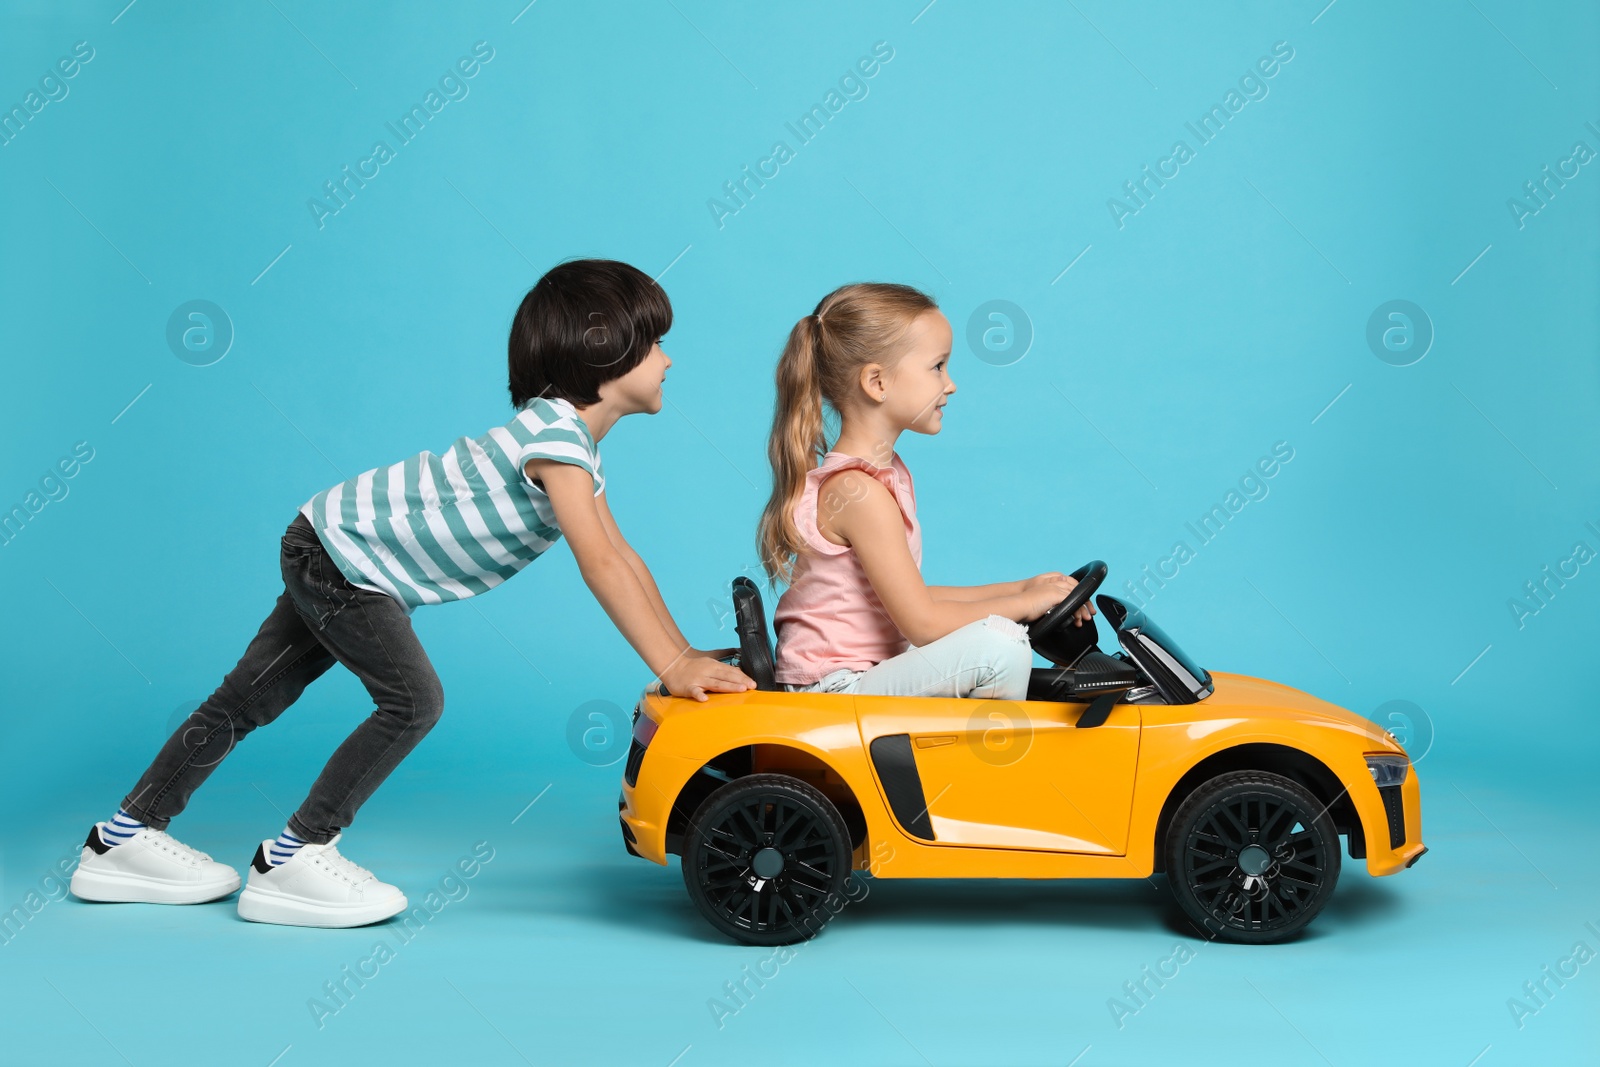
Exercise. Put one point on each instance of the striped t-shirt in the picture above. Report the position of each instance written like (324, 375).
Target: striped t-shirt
(447, 527)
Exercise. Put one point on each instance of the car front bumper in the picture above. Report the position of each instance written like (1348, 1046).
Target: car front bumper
(1392, 820)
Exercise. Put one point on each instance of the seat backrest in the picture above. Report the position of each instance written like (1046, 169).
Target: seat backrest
(750, 621)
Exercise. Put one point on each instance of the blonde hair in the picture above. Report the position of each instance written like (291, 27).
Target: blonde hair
(854, 325)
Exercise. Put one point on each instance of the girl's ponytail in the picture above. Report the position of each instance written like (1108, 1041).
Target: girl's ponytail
(795, 446)
(852, 326)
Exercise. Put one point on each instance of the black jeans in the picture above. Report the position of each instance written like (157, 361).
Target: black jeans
(320, 618)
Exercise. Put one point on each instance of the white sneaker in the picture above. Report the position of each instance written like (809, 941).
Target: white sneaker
(316, 887)
(151, 867)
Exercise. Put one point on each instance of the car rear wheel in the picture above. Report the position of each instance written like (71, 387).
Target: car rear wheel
(1252, 857)
(766, 858)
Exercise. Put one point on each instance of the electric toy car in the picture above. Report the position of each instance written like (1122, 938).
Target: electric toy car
(1116, 765)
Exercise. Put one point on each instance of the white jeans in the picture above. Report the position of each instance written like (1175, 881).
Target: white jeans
(990, 658)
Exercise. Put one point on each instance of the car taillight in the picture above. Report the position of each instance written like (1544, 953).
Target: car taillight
(644, 731)
(644, 728)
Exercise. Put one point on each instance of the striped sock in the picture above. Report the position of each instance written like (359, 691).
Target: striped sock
(283, 849)
(120, 829)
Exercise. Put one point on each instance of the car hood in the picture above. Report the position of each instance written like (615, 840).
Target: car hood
(1241, 692)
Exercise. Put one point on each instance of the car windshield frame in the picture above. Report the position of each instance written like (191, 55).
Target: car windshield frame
(1180, 679)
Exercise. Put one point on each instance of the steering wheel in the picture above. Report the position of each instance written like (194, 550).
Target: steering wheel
(1089, 576)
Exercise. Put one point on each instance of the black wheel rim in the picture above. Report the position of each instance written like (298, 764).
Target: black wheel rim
(1256, 862)
(745, 836)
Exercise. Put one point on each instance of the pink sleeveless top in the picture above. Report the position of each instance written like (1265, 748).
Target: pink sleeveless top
(829, 618)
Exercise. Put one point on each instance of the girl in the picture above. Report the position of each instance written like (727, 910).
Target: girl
(359, 557)
(857, 617)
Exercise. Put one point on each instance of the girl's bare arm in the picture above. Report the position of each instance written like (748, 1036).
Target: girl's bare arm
(869, 521)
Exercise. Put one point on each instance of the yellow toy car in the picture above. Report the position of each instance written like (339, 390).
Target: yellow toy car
(1116, 766)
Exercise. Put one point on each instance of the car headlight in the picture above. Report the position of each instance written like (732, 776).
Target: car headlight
(1388, 770)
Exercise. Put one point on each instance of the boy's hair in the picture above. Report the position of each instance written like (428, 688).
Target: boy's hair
(854, 325)
(584, 323)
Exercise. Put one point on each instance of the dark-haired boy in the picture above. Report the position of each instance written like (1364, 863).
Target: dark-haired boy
(360, 556)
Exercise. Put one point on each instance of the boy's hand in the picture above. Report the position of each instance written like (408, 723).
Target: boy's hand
(695, 675)
(713, 653)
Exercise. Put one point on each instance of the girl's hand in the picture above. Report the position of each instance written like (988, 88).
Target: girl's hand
(1043, 596)
(1052, 589)
(713, 653)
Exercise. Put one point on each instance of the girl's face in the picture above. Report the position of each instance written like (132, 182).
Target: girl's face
(640, 389)
(916, 388)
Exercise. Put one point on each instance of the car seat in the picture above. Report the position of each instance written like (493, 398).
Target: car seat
(755, 646)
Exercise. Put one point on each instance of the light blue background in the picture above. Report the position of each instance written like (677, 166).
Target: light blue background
(1224, 317)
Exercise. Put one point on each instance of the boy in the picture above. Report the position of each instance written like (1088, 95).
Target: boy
(360, 556)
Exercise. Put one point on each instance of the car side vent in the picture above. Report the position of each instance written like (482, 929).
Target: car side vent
(897, 770)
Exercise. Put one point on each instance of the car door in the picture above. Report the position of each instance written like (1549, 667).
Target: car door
(1004, 774)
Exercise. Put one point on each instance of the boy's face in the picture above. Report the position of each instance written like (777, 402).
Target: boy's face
(640, 389)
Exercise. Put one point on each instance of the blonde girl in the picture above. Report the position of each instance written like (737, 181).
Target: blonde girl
(841, 526)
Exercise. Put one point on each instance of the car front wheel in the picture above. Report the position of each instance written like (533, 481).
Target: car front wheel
(766, 858)
(1252, 857)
